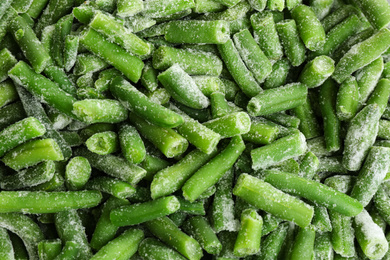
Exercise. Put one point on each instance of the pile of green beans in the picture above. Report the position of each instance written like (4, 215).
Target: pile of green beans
(194, 129)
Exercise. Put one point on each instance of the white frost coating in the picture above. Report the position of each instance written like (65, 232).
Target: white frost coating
(370, 236)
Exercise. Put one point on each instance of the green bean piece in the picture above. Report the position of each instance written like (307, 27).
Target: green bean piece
(192, 62)
(114, 166)
(49, 249)
(309, 125)
(20, 132)
(166, 140)
(249, 235)
(282, 149)
(327, 102)
(314, 191)
(62, 29)
(114, 30)
(71, 46)
(103, 143)
(317, 71)
(381, 200)
(171, 179)
(132, 146)
(137, 102)
(74, 232)
(347, 99)
(158, 9)
(278, 76)
(304, 244)
(360, 55)
(114, 187)
(270, 223)
(182, 88)
(219, 105)
(370, 236)
(323, 247)
(230, 125)
(193, 208)
(47, 202)
(310, 28)
(308, 166)
(169, 233)
(84, 13)
(360, 136)
(32, 81)
(376, 12)
(200, 229)
(100, 111)
(7, 61)
(149, 77)
(77, 173)
(337, 16)
(261, 133)
(252, 55)
(321, 220)
(70, 251)
(266, 36)
(272, 244)
(32, 48)
(88, 63)
(276, 5)
(371, 175)
(122, 247)
(6, 249)
(200, 32)
(243, 77)
(211, 172)
(278, 99)
(222, 210)
(127, 8)
(59, 76)
(293, 46)
(259, 194)
(380, 94)
(384, 130)
(26, 229)
(284, 119)
(29, 177)
(201, 136)
(154, 249)
(97, 44)
(233, 13)
(32, 153)
(105, 230)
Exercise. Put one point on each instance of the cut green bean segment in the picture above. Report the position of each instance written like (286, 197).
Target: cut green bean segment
(49, 249)
(272, 244)
(70, 251)
(132, 146)
(30, 177)
(230, 125)
(308, 125)
(317, 71)
(314, 191)
(7, 61)
(32, 153)
(266, 36)
(282, 149)
(103, 143)
(200, 32)
(370, 236)
(347, 99)
(88, 63)
(380, 95)
(360, 136)
(278, 76)
(304, 244)
(321, 220)
(212, 171)
(123, 247)
(243, 77)
(105, 230)
(158, 9)
(252, 55)
(308, 166)
(172, 178)
(169, 142)
(127, 8)
(154, 249)
(261, 133)
(77, 173)
(191, 61)
(293, 46)
(138, 103)
(249, 235)
(332, 128)
(376, 12)
(52, 94)
(112, 54)
(183, 88)
(200, 229)
(32, 48)
(169, 233)
(362, 54)
(277, 99)
(264, 196)
(382, 200)
(113, 165)
(73, 232)
(114, 187)
(140, 213)
(92, 111)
